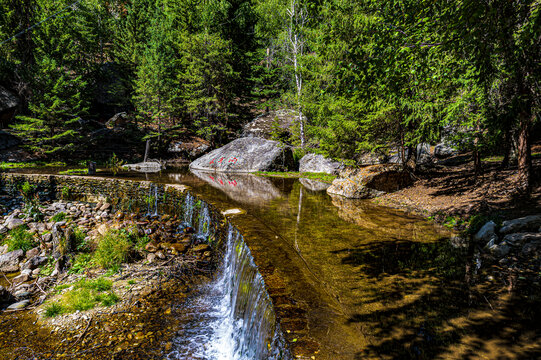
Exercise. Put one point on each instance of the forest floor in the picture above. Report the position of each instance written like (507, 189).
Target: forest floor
(447, 192)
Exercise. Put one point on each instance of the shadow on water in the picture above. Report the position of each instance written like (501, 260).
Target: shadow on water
(434, 305)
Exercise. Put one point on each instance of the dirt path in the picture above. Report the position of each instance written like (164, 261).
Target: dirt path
(456, 191)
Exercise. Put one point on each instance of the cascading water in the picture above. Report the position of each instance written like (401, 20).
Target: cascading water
(233, 317)
(189, 205)
(152, 200)
(204, 221)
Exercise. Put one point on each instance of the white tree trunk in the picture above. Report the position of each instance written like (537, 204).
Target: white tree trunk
(297, 20)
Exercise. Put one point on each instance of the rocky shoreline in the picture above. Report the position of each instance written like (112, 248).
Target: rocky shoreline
(57, 262)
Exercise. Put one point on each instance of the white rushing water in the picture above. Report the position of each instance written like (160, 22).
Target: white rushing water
(232, 318)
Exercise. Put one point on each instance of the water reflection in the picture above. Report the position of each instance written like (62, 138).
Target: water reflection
(314, 185)
(245, 188)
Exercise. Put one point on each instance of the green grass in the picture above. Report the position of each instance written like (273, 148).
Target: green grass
(81, 263)
(20, 238)
(492, 159)
(327, 178)
(83, 295)
(61, 216)
(12, 165)
(113, 249)
(53, 309)
(74, 172)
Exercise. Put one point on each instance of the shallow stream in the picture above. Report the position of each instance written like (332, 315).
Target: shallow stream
(346, 279)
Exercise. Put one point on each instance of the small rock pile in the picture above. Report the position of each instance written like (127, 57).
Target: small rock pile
(515, 239)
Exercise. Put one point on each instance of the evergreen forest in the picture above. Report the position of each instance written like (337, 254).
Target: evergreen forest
(361, 76)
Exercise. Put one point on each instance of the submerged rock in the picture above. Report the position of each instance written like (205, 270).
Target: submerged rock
(370, 181)
(19, 305)
(5, 296)
(319, 164)
(246, 155)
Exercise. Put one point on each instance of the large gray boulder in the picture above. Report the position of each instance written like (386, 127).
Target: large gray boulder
(319, 164)
(370, 181)
(245, 155)
(395, 156)
(7, 99)
(145, 167)
(371, 158)
(9, 262)
(444, 150)
(523, 224)
(423, 156)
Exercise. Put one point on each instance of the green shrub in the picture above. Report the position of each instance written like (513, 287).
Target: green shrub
(28, 191)
(114, 164)
(20, 238)
(53, 309)
(61, 216)
(113, 249)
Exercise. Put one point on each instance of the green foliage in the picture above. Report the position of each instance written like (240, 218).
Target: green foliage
(48, 268)
(81, 263)
(31, 201)
(65, 192)
(114, 164)
(141, 242)
(113, 249)
(79, 240)
(20, 239)
(369, 76)
(60, 216)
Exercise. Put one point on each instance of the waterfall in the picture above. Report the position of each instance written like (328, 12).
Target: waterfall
(204, 221)
(188, 208)
(152, 200)
(233, 317)
(155, 200)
